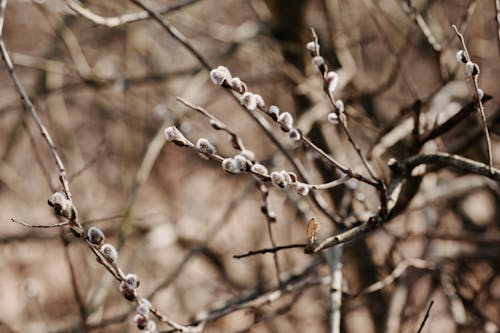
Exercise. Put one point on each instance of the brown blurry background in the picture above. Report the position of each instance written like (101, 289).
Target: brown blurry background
(106, 94)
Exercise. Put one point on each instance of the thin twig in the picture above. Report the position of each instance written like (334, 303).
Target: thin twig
(41, 226)
(269, 250)
(112, 22)
(477, 97)
(425, 317)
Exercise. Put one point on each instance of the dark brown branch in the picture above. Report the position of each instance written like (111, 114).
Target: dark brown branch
(268, 250)
(447, 160)
(425, 317)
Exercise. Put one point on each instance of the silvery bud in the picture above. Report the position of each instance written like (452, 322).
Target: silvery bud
(260, 101)
(319, 63)
(249, 101)
(295, 135)
(229, 165)
(278, 179)
(175, 136)
(461, 56)
(259, 169)
(333, 118)
(286, 121)
(241, 163)
(472, 69)
(95, 235)
(274, 112)
(339, 104)
(204, 146)
(238, 85)
(302, 189)
(132, 281)
(109, 252)
(248, 154)
(332, 80)
(141, 321)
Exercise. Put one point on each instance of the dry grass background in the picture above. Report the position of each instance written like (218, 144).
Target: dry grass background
(105, 92)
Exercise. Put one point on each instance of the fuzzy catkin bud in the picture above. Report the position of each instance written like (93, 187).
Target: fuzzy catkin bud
(278, 179)
(240, 162)
(339, 104)
(175, 136)
(294, 134)
(461, 56)
(333, 118)
(312, 47)
(132, 281)
(274, 112)
(238, 85)
(472, 69)
(143, 308)
(260, 101)
(249, 101)
(220, 75)
(204, 146)
(127, 292)
(95, 235)
(229, 165)
(259, 169)
(480, 93)
(286, 121)
(332, 80)
(109, 252)
(319, 63)
(302, 189)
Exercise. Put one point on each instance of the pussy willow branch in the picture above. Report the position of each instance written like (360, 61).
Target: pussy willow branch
(261, 187)
(110, 266)
(343, 125)
(477, 99)
(264, 125)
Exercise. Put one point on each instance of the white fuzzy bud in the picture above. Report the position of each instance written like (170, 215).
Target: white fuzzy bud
(274, 112)
(62, 206)
(286, 121)
(332, 80)
(143, 308)
(259, 169)
(109, 252)
(132, 281)
(240, 162)
(461, 56)
(288, 177)
(220, 75)
(302, 189)
(311, 46)
(294, 134)
(472, 69)
(95, 235)
(480, 93)
(260, 101)
(339, 104)
(319, 63)
(229, 165)
(249, 101)
(175, 136)
(204, 146)
(333, 118)
(278, 179)
(238, 85)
